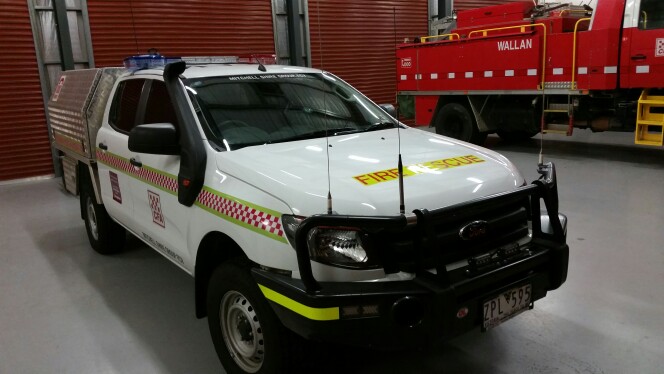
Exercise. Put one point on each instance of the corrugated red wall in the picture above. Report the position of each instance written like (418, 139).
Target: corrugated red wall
(179, 28)
(355, 39)
(473, 4)
(24, 144)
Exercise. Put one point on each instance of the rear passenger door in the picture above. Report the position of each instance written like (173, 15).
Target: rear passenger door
(116, 174)
(162, 220)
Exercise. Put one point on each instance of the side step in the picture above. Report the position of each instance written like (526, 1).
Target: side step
(650, 120)
(556, 128)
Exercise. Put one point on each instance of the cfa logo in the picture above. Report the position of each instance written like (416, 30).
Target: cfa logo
(659, 48)
(406, 62)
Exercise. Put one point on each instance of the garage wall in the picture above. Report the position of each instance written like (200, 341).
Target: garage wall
(24, 145)
(355, 39)
(473, 4)
(179, 28)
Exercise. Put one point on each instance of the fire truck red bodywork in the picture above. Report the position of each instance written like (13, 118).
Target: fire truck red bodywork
(511, 50)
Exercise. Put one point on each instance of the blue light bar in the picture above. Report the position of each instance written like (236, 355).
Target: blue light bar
(148, 61)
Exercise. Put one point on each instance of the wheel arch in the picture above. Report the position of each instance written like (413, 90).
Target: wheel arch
(447, 99)
(476, 107)
(85, 175)
(464, 125)
(84, 178)
(215, 249)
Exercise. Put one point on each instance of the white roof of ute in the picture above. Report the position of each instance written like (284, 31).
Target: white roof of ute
(220, 70)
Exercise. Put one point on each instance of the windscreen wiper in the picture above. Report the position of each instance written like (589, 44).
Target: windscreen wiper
(380, 126)
(318, 134)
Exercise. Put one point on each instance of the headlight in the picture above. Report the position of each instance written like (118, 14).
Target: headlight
(343, 247)
(339, 247)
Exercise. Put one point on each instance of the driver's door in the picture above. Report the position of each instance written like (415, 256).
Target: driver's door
(643, 47)
(163, 221)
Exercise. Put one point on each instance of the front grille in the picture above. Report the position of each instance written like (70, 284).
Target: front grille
(411, 250)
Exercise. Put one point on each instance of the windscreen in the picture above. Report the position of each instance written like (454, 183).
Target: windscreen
(247, 110)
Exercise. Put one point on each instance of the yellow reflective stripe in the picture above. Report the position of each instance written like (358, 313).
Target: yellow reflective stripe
(316, 314)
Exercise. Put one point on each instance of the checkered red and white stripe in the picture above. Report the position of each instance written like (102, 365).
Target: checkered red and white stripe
(233, 209)
(161, 180)
(241, 212)
(115, 162)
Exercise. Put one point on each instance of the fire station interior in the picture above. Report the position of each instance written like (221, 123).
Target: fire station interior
(65, 308)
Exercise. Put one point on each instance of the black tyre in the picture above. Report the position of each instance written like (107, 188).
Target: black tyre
(456, 121)
(516, 136)
(247, 335)
(106, 236)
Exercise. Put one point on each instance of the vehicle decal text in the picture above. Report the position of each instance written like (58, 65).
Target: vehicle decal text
(163, 249)
(513, 45)
(253, 217)
(659, 47)
(416, 169)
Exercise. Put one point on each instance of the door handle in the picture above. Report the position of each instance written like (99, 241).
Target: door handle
(103, 146)
(135, 162)
(639, 57)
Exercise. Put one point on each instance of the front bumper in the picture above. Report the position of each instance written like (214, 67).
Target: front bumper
(402, 314)
(438, 303)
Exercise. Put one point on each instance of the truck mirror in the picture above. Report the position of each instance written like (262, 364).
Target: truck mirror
(154, 138)
(389, 108)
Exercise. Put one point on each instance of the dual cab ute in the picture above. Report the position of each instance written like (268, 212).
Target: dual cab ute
(280, 190)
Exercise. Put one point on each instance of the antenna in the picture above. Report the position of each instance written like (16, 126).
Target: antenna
(402, 203)
(327, 138)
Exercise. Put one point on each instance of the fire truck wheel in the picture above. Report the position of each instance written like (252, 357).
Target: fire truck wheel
(105, 235)
(247, 335)
(455, 120)
(516, 136)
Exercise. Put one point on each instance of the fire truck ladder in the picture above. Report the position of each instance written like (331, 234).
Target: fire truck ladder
(564, 111)
(650, 120)
(559, 111)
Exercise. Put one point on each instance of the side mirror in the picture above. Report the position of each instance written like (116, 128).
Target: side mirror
(154, 138)
(389, 108)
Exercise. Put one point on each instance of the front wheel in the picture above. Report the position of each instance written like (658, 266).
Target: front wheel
(247, 335)
(456, 121)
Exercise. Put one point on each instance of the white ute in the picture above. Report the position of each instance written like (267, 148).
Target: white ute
(278, 188)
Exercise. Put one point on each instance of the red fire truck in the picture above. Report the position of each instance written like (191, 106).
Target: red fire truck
(520, 68)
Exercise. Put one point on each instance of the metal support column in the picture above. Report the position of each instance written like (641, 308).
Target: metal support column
(62, 29)
(295, 45)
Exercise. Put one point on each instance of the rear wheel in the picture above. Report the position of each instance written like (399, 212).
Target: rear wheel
(105, 235)
(456, 121)
(247, 335)
(516, 136)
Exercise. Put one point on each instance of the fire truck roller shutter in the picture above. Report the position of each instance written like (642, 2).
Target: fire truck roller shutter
(455, 119)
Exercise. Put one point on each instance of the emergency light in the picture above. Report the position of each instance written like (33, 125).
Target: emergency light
(148, 61)
(265, 59)
(151, 61)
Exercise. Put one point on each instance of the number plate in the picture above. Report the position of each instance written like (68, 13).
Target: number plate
(505, 306)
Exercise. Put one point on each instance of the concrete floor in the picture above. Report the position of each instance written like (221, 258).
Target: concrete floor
(65, 309)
